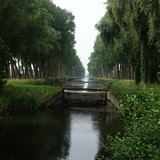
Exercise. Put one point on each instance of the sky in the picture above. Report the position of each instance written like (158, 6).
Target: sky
(87, 14)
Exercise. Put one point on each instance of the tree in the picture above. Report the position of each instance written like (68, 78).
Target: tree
(5, 56)
(41, 37)
(101, 60)
(132, 28)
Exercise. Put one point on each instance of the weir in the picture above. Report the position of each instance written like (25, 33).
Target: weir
(84, 91)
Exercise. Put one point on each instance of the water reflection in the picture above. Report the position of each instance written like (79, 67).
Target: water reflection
(67, 135)
(84, 137)
(41, 136)
(83, 83)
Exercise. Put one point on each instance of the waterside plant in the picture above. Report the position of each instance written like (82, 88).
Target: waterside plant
(23, 95)
(140, 116)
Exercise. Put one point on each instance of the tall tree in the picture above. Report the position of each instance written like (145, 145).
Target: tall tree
(40, 36)
(102, 60)
(132, 27)
(5, 56)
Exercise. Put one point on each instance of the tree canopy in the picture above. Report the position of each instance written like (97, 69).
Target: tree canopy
(41, 37)
(132, 29)
(5, 56)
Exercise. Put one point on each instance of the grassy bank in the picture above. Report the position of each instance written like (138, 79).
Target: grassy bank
(25, 94)
(140, 116)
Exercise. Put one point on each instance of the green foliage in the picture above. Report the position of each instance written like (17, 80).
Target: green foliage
(26, 81)
(101, 60)
(4, 62)
(25, 96)
(3, 102)
(141, 121)
(41, 37)
(120, 87)
(131, 28)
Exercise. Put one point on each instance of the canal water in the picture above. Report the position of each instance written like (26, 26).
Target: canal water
(56, 135)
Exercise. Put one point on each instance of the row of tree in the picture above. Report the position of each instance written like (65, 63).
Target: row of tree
(129, 41)
(40, 37)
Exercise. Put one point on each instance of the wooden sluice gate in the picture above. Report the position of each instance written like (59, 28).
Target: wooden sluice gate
(86, 92)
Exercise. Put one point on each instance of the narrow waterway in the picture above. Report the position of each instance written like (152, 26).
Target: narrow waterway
(53, 135)
(75, 133)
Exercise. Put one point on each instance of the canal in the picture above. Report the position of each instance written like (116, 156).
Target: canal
(56, 135)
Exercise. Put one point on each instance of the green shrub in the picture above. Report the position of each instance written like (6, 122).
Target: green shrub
(3, 102)
(4, 63)
(17, 96)
(141, 121)
(120, 88)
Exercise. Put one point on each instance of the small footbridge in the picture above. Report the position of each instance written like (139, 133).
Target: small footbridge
(84, 91)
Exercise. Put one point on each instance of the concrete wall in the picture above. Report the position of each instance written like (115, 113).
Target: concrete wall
(54, 100)
(112, 101)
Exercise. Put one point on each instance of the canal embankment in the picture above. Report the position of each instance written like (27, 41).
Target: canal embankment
(138, 105)
(140, 118)
(22, 94)
(76, 128)
(27, 95)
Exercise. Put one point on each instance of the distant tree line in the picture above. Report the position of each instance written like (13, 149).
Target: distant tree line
(40, 37)
(129, 42)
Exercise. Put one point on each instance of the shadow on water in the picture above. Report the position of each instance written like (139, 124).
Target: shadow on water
(75, 133)
(35, 136)
(52, 135)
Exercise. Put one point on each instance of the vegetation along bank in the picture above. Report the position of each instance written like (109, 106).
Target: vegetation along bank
(140, 117)
(37, 40)
(26, 94)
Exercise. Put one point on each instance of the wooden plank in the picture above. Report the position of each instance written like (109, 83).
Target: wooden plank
(81, 89)
(99, 95)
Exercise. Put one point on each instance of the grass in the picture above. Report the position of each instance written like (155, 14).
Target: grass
(25, 81)
(28, 94)
(46, 81)
(119, 88)
(122, 87)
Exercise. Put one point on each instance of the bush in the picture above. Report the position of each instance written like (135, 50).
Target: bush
(22, 96)
(4, 63)
(119, 88)
(141, 121)
(3, 102)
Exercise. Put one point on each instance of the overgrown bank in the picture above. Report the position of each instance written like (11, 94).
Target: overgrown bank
(140, 110)
(26, 94)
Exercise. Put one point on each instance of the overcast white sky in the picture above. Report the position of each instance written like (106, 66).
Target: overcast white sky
(87, 13)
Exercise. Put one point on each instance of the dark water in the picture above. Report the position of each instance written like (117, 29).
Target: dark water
(56, 135)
